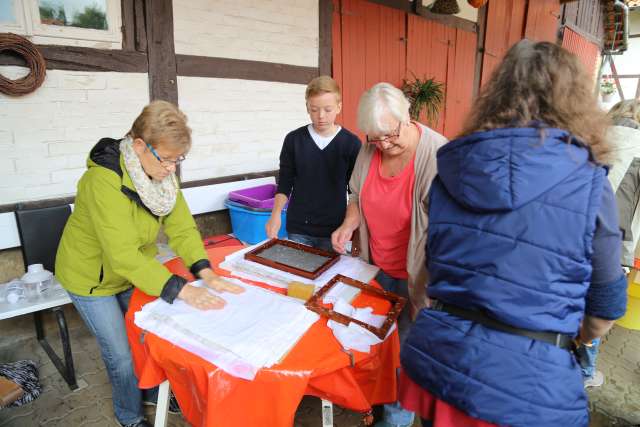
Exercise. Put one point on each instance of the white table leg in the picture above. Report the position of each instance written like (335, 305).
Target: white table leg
(327, 413)
(162, 408)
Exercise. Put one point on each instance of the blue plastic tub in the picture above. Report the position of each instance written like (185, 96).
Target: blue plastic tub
(249, 225)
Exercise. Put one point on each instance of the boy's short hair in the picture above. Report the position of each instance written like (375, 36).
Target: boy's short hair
(321, 85)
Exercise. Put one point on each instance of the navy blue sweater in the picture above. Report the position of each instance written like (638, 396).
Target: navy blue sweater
(317, 180)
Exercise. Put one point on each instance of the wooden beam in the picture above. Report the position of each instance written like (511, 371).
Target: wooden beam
(141, 30)
(60, 201)
(227, 68)
(128, 25)
(482, 31)
(405, 5)
(325, 36)
(448, 20)
(161, 50)
(416, 7)
(85, 59)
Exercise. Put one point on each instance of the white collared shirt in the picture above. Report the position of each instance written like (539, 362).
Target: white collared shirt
(322, 141)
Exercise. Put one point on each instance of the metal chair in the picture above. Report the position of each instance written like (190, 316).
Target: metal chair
(40, 231)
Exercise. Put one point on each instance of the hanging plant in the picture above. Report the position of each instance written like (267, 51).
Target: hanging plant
(607, 86)
(445, 7)
(424, 95)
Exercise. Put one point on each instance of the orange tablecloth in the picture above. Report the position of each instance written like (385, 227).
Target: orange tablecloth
(316, 366)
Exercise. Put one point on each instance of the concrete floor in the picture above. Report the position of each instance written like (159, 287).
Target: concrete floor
(617, 403)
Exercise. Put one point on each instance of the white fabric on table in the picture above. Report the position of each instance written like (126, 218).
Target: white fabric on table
(254, 330)
(354, 336)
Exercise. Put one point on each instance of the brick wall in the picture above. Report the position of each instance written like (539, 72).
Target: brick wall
(45, 136)
(282, 31)
(238, 125)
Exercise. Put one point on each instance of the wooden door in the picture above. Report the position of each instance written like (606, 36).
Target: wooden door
(542, 20)
(368, 47)
(505, 26)
(448, 55)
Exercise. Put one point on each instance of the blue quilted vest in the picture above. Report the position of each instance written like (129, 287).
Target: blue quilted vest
(512, 216)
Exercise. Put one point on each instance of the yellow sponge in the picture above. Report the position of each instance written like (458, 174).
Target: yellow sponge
(300, 290)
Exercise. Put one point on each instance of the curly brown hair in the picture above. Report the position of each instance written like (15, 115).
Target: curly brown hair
(543, 83)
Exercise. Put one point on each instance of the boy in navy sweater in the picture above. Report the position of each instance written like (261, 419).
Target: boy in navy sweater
(315, 166)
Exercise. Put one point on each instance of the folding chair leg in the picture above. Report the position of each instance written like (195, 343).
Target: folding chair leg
(66, 370)
(162, 408)
(327, 413)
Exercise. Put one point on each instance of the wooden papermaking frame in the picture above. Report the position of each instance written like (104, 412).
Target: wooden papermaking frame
(397, 304)
(254, 255)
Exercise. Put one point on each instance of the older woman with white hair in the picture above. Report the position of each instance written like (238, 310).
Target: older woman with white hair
(388, 202)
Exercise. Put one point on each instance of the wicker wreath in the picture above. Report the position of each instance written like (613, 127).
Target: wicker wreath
(35, 62)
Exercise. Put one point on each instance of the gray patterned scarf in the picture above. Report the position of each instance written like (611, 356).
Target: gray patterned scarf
(158, 196)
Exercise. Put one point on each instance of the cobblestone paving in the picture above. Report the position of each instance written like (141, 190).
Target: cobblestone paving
(617, 403)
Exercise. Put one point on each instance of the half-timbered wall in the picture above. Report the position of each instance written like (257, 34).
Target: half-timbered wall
(239, 123)
(45, 136)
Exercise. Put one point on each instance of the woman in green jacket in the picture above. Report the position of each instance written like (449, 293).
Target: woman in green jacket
(109, 243)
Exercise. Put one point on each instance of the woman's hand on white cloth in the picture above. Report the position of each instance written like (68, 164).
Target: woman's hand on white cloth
(217, 283)
(201, 298)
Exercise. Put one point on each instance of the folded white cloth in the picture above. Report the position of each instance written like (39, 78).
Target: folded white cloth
(354, 336)
(254, 330)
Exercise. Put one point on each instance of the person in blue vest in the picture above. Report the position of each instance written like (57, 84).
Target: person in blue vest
(523, 253)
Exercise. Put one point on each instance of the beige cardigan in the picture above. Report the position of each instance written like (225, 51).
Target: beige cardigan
(425, 170)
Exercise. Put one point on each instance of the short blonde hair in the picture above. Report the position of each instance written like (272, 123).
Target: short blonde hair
(321, 85)
(162, 122)
(629, 109)
(382, 98)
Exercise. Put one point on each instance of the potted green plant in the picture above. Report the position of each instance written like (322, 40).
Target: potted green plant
(607, 89)
(425, 95)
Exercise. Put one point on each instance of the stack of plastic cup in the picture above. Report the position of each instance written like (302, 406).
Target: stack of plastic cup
(37, 281)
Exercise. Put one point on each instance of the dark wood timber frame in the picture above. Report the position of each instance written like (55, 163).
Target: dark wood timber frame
(163, 80)
(448, 20)
(325, 37)
(229, 68)
(148, 47)
(397, 304)
(482, 31)
(254, 256)
(11, 207)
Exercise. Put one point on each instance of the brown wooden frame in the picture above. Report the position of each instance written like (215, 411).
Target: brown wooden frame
(397, 304)
(254, 256)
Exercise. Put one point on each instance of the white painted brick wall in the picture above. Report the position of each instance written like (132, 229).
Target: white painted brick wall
(283, 31)
(238, 125)
(46, 136)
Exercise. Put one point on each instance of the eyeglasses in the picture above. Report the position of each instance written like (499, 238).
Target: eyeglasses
(165, 162)
(385, 138)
